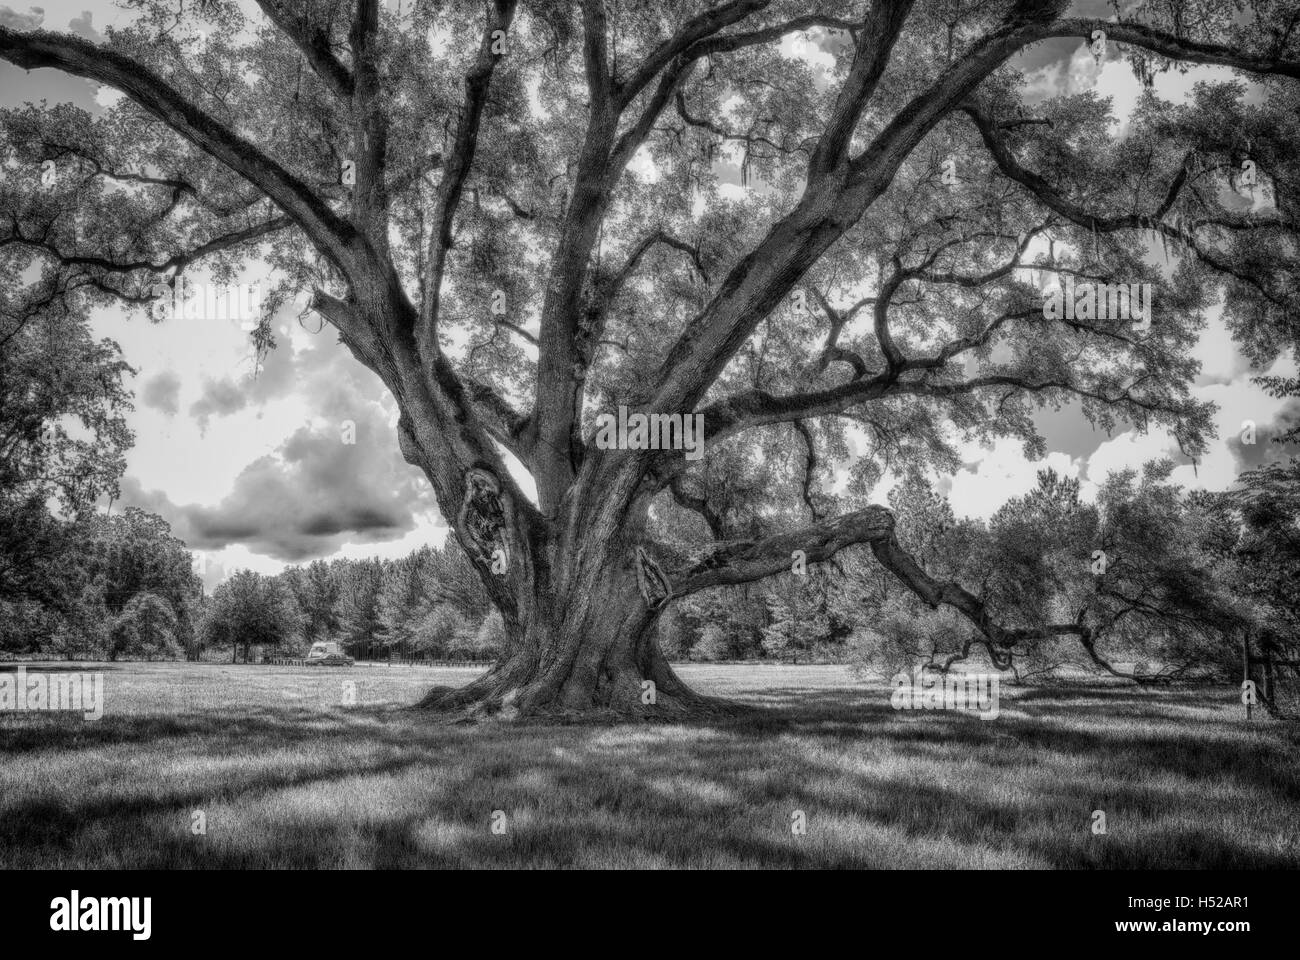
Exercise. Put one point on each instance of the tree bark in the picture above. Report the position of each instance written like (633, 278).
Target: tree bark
(583, 644)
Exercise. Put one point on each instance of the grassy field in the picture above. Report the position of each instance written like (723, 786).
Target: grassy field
(286, 776)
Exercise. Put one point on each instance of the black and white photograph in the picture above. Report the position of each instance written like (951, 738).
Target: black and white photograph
(702, 435)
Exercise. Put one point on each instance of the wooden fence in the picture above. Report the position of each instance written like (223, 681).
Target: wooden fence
(302, 662)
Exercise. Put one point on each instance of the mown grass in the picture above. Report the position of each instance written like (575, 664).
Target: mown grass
(288, 777)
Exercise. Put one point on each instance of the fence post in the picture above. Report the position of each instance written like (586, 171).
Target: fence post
(1245, 667)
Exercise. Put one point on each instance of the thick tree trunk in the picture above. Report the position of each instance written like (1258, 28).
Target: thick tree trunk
(583, 643)
(604, 664)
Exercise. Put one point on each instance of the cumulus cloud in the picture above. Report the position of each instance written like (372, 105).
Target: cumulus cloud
(1247, 456)
(82, 27)
(315, 492)
(162, 392)
(22, 21)
(1129, 451)
(996, 474)
(1226, 455)
(220, 398)
(18, 86)
(271, 479)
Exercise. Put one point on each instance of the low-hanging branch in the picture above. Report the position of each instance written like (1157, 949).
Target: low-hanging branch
(746, 561)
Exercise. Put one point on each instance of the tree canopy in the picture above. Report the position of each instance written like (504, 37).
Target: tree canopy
(521, 215)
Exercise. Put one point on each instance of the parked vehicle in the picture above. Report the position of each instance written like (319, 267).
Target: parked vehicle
(328, 653)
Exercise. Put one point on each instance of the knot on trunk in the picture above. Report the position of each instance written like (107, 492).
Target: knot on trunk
(482, 517)
(652, 581)
(408, 443)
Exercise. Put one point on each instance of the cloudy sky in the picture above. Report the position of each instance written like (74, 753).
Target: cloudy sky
(250, 468)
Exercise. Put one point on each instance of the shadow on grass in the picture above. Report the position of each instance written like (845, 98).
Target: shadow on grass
(310, 788)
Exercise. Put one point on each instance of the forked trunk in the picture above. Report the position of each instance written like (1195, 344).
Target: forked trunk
(578, 596)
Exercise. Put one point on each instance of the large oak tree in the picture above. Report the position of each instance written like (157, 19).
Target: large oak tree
(515, 215)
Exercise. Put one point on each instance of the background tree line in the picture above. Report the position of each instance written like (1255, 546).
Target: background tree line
(427, 605)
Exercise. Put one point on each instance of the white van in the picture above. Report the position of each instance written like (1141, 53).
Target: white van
(328, 653)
